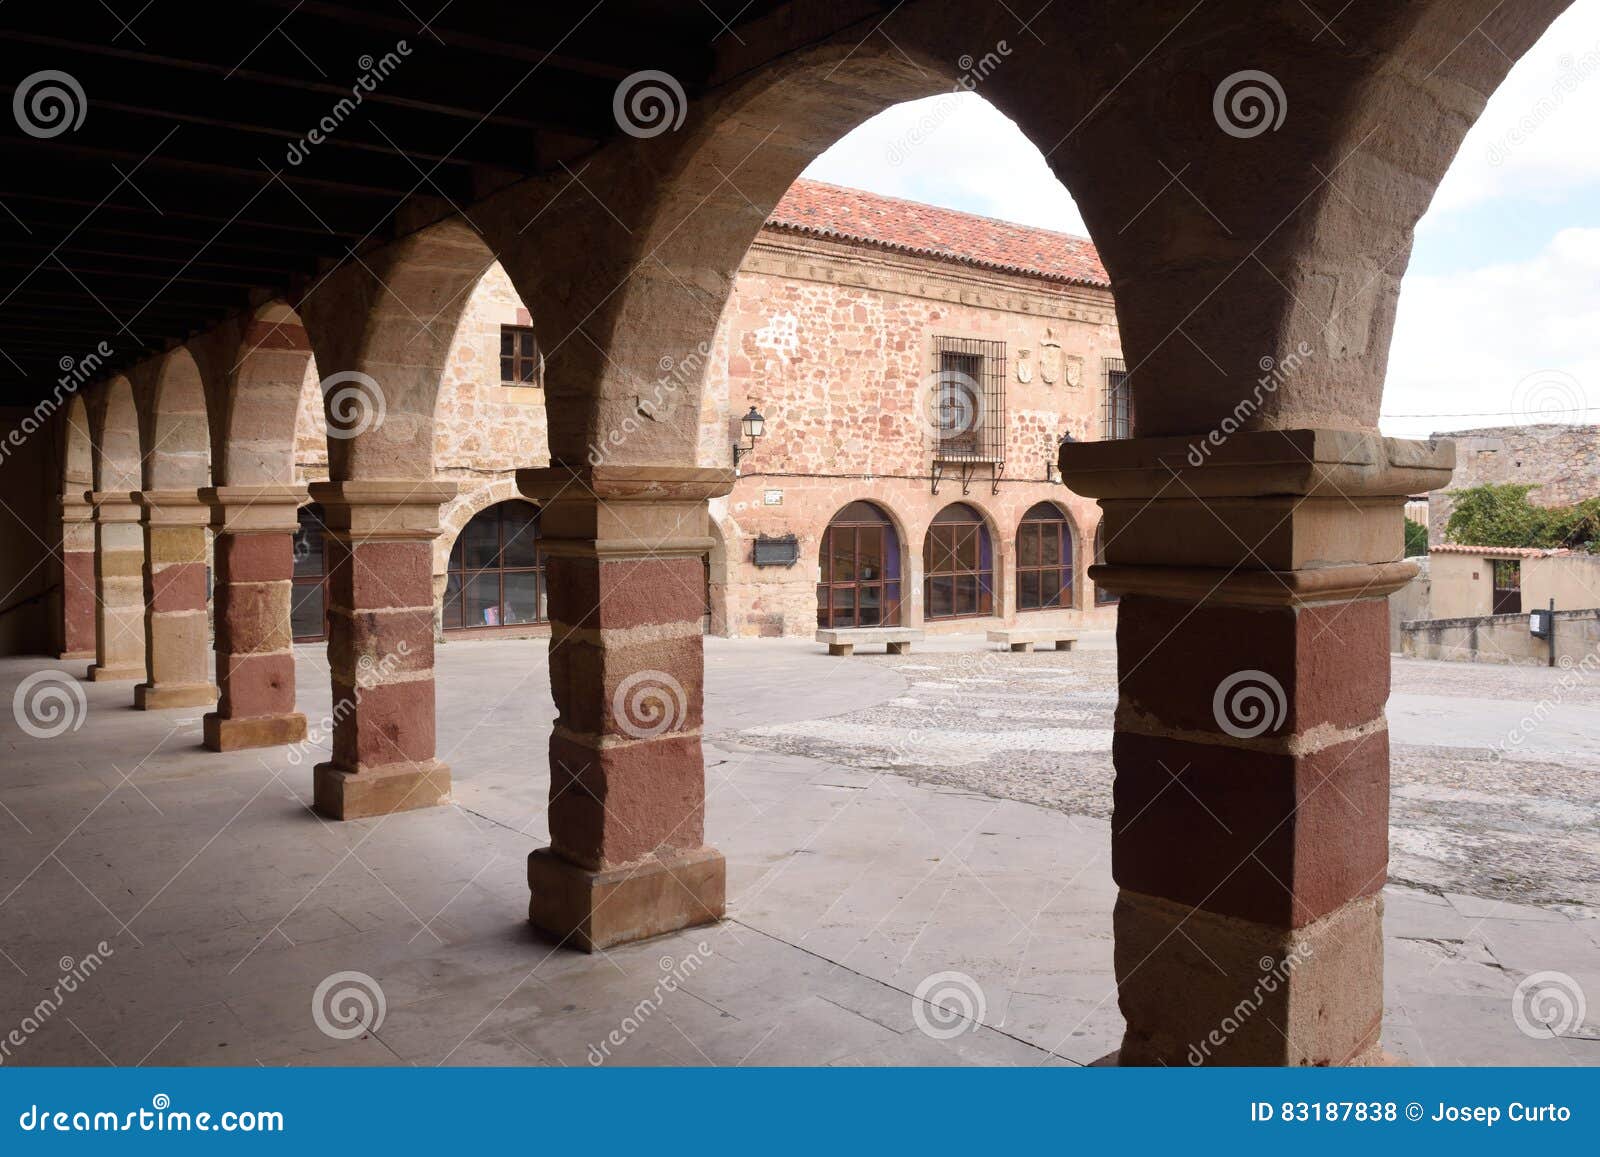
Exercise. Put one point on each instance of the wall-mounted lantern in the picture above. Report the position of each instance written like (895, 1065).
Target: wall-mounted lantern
(752, 426)
(1052, 468)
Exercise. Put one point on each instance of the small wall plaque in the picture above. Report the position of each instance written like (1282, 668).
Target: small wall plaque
(779, 550)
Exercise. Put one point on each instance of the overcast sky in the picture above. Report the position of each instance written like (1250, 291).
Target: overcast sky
(1499, 318)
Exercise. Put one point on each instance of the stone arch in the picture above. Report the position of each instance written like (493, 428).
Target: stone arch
(896, 597)
(989, 531)
(270, 370)
(174, 423)
(114, 430)
(382, 330)
(77, 449)
(455, 515)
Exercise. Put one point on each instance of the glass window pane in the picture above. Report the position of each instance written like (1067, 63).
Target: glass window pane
(1050, 542)
(825, 558)
(941, 597)
(844, 606)
(480, 541)
(507, 341)
(824, 618)
(1028, 545)
(481, 606)
(844, 559)
(871, 613)
(966, 595)
(452, 602)
(508, 370)
(521, 535)
(309, 560)
(527, 342)
(1028, 590)
(869, 553)
(305, 614)
(966, 548)
(1050, 588)
(522, 597)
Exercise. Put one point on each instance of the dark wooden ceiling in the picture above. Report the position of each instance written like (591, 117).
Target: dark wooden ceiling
(175, 197)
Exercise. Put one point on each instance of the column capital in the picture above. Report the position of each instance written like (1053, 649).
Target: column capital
(1301, 463)
(1265, 518)
(172, 507)
(76, 507)
(383, 510)
(113, 505)
(620, 512)
(254, 509)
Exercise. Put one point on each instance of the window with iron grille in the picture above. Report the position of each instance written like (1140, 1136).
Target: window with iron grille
(521, 363)
(1507, 595)
(969, 400)
(1116, 408)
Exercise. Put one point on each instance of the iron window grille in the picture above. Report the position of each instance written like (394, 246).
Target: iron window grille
(1116, 408)
(521, 363)
(969, 402)
(1507, 578)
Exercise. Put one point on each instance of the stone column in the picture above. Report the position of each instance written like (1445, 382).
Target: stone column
(176, 632)
(119, 587)
(1250, 815)
(627, 856)
(77, 578)
(380, 647)
(253, 531)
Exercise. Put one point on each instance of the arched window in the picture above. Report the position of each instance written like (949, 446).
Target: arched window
(958, 565)
(496, 576)
(860, 570)
(1102, 597)
(1044, 559)
(308, 612)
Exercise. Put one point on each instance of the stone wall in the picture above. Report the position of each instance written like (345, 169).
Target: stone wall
(1505, 639)
(832, 343)
(1562, 461)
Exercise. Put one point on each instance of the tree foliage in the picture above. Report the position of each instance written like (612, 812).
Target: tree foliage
(1416, 538)
(1499, 514)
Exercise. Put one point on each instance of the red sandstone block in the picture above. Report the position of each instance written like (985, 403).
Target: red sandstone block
(1186, 665)
(254, 557)
(181, 587)
(392, 723)
(626, 592)
(255, 685)
(381, 574)
(1276, 839)
(637, 691)
(375, 643)
(614, 805)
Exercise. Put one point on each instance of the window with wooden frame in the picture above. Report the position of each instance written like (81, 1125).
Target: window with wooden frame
(1044, 559)
(1116, 407)
(859, 566)
(308, 606)
(958, 565)
(496, 576)
(521, 363)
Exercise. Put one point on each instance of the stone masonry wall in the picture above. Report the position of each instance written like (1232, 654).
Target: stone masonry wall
(1563, 461)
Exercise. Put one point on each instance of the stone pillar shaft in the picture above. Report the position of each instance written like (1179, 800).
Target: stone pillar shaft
(119, 587)
(176, 630)
(1250, 811)
(253, 530)
(77, 578)
(380, 647)
(628, 857)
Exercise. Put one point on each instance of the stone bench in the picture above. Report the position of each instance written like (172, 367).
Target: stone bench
(843, 640)
(1023, 638)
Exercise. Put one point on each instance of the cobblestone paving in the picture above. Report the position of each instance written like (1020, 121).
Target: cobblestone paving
(1037, 728)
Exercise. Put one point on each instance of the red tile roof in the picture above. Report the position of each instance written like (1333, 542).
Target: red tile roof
(832, 211)
(1499, 551)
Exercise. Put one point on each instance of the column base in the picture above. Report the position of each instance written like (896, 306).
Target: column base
(99, 674)
(593, 910)
(159, 697)
(68, 655)
(263, 731)
(340, 794)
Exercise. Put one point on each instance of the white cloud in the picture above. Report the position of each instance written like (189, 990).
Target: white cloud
(955, 150)
(1536, 137)
(1500, 345)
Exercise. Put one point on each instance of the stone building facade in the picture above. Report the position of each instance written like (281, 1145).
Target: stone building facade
(833, 333)
(1562, 461)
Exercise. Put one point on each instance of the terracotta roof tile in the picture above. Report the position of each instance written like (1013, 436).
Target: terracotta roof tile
(832, 211)
(1499, 551)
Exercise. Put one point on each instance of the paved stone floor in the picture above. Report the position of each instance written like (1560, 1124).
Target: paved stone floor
(933, 822)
